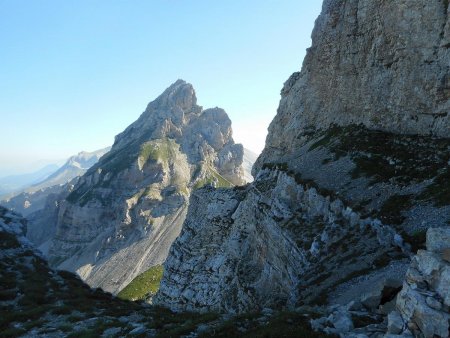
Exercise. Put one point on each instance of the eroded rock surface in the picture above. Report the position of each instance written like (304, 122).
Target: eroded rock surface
(424, 301)
(124, 213)
(355, 169)
(263, 245)
(383, 64)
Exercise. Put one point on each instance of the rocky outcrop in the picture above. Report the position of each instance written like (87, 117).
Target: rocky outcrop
(124, 213)
(364, 125)
(41, 227)
(36, 301)
(358, 118)
(424, 301)
(383, 64)
(261, 246)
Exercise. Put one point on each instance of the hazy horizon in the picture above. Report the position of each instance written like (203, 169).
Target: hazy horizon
(76, 75)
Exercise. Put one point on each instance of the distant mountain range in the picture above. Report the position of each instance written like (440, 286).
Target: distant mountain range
(31, 190)
(75, 166)
(11, 183)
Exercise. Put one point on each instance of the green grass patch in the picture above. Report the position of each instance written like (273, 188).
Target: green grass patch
(391, 210)
(281, 325)
(211, 176)
(417, 240)
(439, 190)
(158, 150)
(144, 284)
(13, 332)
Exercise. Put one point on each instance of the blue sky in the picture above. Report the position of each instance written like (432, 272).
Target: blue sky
(75, 73)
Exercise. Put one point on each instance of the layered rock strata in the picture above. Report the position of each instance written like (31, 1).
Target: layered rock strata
(424, 301)
(364, 123)
(263, 245)
(124, 213)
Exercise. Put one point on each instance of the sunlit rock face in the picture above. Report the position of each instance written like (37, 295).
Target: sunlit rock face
(383, 64)
(353, 172)
(259, 246)
(124, 213)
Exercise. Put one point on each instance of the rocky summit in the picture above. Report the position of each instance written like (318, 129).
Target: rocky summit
(122, 216)
(354, 172)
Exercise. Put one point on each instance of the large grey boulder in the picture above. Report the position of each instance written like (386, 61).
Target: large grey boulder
(424, 301)
(438, 239)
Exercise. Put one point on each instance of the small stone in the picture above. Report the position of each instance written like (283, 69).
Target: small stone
(341, 321)
(112, 331)
(388, 307)
(412, 326)
(138, 330)
(438, 239)
(202, 328)
(395, 322)
(371, 300)
(446, 255)
(267, 312)
(413, 276)
(433, 303)
(354, 306)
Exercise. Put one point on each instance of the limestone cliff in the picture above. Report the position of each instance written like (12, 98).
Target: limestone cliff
(354, 171)
(123, 214)
(382, 64)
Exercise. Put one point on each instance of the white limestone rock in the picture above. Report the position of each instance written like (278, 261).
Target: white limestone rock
(121, 217)
(425, 298)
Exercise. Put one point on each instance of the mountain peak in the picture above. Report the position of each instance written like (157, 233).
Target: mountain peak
(179, 94)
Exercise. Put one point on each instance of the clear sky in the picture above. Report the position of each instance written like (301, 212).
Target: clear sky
(75, 73)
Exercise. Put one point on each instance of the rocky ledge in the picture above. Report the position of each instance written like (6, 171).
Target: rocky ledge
(424, 302)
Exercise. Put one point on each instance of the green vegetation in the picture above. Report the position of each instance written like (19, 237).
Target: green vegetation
(169, 324)
(439, 190)
(147, 283)
(417, 239)
(384, 156)
(211, 177)
(43, 294)
(391, 210)
(158, 150)
(283, 324)
(8, 241)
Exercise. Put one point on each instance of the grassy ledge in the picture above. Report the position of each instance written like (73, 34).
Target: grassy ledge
(144, 284)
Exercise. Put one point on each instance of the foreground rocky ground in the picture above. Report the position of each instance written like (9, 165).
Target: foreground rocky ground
(36, 301)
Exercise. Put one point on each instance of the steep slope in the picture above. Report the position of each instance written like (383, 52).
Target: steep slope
(36, 301)
(249, 159)
(354, 170)
(124, 213)
(33, 197)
